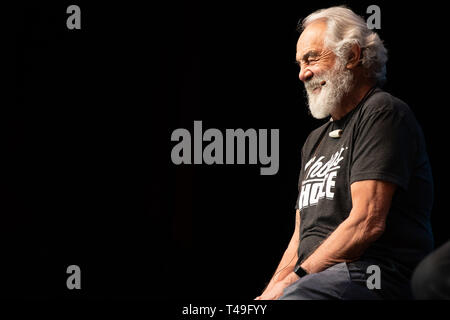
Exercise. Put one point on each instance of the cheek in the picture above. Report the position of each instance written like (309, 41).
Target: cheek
(318, 70)
(329, 64)
(322, 67)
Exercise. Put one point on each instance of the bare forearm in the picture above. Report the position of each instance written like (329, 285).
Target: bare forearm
(346, 243)
(286, 264)
(290, 256)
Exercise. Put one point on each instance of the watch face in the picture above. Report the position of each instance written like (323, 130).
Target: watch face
(300, 271)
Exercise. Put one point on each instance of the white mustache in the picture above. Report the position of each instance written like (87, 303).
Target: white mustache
(315, 83)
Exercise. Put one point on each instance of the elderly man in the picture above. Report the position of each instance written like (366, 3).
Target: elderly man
(365, 187)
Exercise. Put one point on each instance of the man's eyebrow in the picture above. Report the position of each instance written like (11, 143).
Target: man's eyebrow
(309, 54)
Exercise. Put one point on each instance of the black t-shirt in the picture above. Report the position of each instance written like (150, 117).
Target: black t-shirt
(381, 140)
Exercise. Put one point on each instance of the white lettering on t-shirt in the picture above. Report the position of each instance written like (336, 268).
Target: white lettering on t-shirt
(319, 180)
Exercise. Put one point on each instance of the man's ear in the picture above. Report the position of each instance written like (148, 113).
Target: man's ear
(354, 56)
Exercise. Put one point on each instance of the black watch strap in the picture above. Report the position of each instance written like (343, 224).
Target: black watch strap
(300, 271)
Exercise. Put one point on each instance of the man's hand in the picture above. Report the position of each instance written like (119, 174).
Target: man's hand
(278, 288)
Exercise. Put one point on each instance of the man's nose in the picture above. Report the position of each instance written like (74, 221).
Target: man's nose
(305, 74)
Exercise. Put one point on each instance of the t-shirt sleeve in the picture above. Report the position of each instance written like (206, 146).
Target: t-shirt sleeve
(384, 148)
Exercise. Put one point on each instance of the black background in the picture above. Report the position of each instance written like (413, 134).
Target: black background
(88, 178)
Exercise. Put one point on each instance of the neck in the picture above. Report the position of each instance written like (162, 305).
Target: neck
(350, 101)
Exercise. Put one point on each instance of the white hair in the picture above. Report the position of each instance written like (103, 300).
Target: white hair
(344, 29)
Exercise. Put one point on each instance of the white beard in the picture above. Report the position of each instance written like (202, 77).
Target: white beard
(339, 82)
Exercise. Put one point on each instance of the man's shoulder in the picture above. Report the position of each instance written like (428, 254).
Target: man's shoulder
(383, 101)
(383, 105)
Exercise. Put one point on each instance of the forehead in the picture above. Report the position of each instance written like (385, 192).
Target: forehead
(312, 38)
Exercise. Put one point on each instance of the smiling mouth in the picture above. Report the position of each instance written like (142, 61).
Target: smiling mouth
(316, 89)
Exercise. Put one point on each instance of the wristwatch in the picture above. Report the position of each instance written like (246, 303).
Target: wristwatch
(300, 271)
